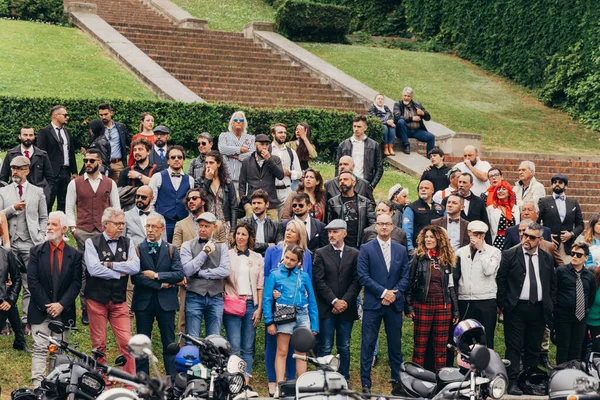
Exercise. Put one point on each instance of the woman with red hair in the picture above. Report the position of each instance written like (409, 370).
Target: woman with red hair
(503, 212)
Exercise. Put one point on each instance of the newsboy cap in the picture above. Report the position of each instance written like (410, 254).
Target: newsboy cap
(208, 217)
(20, 161)
(560, 177)
(162, 129)
(262, 138)
(477, 226)
(337, 224)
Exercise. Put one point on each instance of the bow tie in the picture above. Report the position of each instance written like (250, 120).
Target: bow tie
(153, 247)
(244, 253)
(175, 175)
(201, 242)
(451, 220)
(144, 213)
(109, 241)
(559, 196)
(468, 198)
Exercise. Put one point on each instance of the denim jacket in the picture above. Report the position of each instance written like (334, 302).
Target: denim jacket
(284, 284)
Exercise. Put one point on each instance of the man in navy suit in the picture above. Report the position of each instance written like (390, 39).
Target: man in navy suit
(316, 236)
(383, 271)
(155, 289)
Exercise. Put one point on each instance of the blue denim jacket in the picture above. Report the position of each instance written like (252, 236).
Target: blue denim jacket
(305, 295)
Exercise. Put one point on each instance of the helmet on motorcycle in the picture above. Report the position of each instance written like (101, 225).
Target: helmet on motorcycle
(23, 394)
(187, 357)
(467, 333)
(533, 381)
(220, 343)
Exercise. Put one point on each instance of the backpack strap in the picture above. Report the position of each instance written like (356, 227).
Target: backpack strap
(291, 154)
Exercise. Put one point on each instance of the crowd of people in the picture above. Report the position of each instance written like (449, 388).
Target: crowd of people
(252, 233)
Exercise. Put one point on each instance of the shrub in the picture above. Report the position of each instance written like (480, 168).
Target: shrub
(34, 10)
(186, 120)
(313, 22)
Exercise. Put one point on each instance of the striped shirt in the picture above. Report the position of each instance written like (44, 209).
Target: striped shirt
(229, 145)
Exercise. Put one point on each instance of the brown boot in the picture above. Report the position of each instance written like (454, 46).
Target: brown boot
(392, 149)
(386, 149)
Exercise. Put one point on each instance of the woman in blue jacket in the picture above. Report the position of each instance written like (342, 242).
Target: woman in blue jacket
(295, 235)
(295, 287)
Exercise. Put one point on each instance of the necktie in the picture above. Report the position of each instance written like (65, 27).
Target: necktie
(153, 247)
(162, 154)
(60, 139)
(55, 275)
(244, 253)
(20, 187)
(175, 175)
(579, 298)
(386, 255)
(533, 293)
(144, 213)
(26, 153)
(338, 253)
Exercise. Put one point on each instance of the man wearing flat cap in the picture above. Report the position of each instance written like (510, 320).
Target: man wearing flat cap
(205, 264)
(25, 207)
(260, 171)
(336, 287)
(158, 155)
(562, 215)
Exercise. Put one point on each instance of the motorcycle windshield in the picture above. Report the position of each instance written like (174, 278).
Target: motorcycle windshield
(495, 367)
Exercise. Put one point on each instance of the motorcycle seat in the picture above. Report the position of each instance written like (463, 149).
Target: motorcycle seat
(449, 374)
(420, 373)
(425, 389)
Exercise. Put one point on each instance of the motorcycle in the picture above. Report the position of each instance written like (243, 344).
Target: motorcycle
(580, 383)
(76, 375)
(325, 383)
(218, 376)
(481, 372)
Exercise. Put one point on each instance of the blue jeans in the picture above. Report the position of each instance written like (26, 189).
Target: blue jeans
(342, 329)
(389, 134)
(196, 307)
(404, 132)
(240, 333)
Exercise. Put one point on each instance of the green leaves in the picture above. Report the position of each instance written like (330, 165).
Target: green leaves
(303, 20)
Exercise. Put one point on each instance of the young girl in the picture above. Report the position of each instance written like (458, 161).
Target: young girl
(296, 289)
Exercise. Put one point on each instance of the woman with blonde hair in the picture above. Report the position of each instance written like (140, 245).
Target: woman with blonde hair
(431, 298)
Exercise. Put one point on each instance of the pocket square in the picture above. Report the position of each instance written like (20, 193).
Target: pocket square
(574, 208)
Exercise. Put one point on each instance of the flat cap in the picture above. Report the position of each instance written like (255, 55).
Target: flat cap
(560, 177)
(208, 217)
(262, 138)
(20, 161)
(477, 226)
(162, 129)
(394, 191)
(337, 224)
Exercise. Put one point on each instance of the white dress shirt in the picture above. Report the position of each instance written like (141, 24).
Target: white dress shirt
(358, 155)
(282, 151)
(260, 228)
(536, 268)
(307, 225)
(561, 205)
(71, 200)
(453, 229)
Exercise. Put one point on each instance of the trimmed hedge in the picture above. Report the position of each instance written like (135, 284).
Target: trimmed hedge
(34, 10)
(313, 22)
(375, 17)
(547, 44)
(186, 120)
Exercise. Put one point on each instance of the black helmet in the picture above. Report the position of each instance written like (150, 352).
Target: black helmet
(220, 343)
(23, 394)
(533, 381)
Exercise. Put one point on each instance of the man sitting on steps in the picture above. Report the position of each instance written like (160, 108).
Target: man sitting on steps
(409, 116)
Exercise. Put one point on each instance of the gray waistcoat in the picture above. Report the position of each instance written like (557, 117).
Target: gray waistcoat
(22, 230)
(204, 287)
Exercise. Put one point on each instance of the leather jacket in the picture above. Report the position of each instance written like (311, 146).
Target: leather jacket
(229, 201)
(419, 278)
(366, 213)
(271, 233)
(399, 112)
(373, 159)
(9, 268)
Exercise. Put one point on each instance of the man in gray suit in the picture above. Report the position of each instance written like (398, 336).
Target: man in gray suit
(25, 207)
(135, 219)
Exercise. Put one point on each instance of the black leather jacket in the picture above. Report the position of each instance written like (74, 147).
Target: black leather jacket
(373, 161)
(420, 274)
(229, 201)
(366, 213)
(9, 268)
(399, 112)
(271, 233)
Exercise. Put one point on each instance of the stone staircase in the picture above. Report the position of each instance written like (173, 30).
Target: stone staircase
(221, 67)
(584, 181)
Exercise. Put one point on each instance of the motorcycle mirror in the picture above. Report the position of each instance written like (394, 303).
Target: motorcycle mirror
(120, 361)
(56, 326)
(480, 357)
(138, 346)
(303, 340)
(172, 349)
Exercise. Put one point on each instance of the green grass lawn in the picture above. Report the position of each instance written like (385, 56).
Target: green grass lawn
(229, 15)
(464, 97)
(42, 60)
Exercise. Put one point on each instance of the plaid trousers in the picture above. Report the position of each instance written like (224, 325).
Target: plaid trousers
(431, 317)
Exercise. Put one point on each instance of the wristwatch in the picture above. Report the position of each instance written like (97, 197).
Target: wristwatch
(156, 275)
(139, 176)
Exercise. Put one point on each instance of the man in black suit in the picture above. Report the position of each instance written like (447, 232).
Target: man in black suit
(56, 140)
(155, 289)
(40, 170)
(267, 230)
(118, 136)
(158, 155)
(526, 283)
(453, 223)
(54, 275)
(529, 210)
(336, 287)
(315, 229)
(332, 186)
(562, 215)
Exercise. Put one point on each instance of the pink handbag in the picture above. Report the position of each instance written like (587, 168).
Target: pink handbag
(234, 305)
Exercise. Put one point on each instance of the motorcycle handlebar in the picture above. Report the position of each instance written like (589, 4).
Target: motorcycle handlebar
(300, 357)
(65, 346)
(192, 339)
(123, 375)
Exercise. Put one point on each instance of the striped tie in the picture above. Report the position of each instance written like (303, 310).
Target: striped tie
(386, 255)
(579, 298)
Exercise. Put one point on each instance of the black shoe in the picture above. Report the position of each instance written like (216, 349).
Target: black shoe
(514, 390)
(397, 389)
(84, 318)
(366, 390)
(406, 149)
(375, 360)
(544, 362)
(21, 347)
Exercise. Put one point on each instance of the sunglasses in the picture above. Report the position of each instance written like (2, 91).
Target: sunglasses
(238, 120)
(66, 115)
(141, 196)
(89, 160)
(298, 205)
(493, 176)
(176, 157)
(530, 237)
(202, 143)
(577, 254)
(194, 198)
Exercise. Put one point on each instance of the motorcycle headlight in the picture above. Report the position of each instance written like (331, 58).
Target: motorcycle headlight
(498, 387)
(91, 383)
(235, 383)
